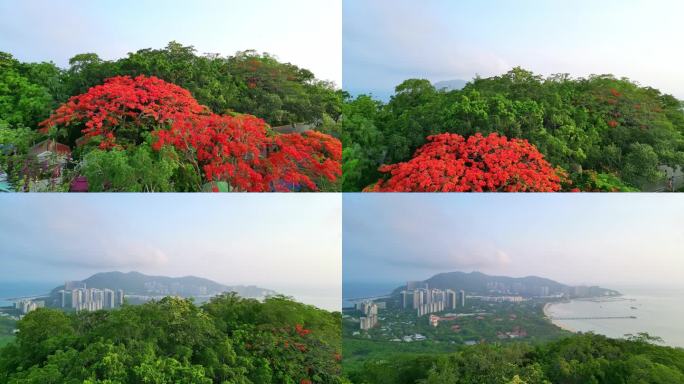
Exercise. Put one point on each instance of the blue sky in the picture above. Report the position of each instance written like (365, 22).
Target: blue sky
(304, 32)
(287, 242)
(609, 239)
(388, 41)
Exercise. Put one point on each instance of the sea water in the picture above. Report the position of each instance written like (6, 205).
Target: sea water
(357, 290)
(14, 290)
(659, 312)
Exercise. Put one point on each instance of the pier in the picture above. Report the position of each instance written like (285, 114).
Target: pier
(594, 318)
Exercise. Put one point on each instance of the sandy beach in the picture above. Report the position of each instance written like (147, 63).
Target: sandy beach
(547, 314)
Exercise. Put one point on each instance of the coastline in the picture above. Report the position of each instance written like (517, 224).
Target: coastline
(546, 311)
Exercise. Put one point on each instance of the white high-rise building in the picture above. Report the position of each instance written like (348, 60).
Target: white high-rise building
(370, 310)
(426, 301)
(405, 297)
(119, 297)
(109, 298)
(26, 306)
(77, 298)
(451, 299)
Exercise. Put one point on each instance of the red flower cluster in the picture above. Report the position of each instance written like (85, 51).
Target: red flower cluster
(301, 330)
(450, 163)
(121, 100)
(238, 149)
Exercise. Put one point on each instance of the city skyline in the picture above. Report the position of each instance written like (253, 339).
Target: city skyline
(386, 42)
(611, 241)
(280, 28)
(217, 237)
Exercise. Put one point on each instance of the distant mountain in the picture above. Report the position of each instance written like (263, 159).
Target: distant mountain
(477, 283)
(450, 85)
(135, 283)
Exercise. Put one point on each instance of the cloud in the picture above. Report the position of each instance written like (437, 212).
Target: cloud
(392, 231)
(576, 239)
(72, 234)
(386, 41)
(270, 240)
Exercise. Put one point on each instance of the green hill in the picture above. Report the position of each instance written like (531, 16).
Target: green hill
(477, 283)
(227, 340)
(136, 283)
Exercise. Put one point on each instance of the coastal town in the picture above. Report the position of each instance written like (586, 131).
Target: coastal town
(418, 312)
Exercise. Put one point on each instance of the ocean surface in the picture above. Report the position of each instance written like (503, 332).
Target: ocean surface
(322, 296)
(12, 290)
(351, 290)
(659, 312)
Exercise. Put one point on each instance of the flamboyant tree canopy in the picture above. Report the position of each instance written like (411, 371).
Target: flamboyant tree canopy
(451, 163)
(238, 149)
(609, 133)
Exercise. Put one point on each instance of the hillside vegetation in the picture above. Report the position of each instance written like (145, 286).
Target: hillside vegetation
(168, 120)
(577, 359)
(604, 133)
(228, 340)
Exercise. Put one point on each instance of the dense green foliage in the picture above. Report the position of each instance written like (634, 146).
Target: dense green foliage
(227, 340)
(244, 83)
(496, 318)
(579, 359)
(608, 133)
(137, 169)
(28, 91)
(7, 326)
(492, 324)
(248, 82)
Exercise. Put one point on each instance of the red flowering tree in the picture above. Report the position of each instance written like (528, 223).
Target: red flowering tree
(296, 353)
(123, 104)
(240, 150)
(451, 163)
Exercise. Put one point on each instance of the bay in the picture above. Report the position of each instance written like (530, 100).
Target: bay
(657, 311)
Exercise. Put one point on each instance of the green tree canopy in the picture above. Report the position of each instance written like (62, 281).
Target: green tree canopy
(608, 133)
(227, 340)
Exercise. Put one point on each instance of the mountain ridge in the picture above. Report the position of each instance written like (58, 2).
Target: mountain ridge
(450, 85)
(136, 283)
(479, 283)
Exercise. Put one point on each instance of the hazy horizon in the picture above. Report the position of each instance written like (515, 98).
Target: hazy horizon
(290, 243)
(43, 30)
(385, 42)
(576, 239)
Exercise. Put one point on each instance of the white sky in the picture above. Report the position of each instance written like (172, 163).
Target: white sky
(610, 239)
(388, 41)
(287, 242)
(307, 33)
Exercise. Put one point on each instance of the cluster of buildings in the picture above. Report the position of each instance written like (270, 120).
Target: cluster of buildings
(423, 300)
(500, 299)
(175, 289)
(434, 319)
(518, 288)
(410, 338)
(516, 333)
(370, 311)
(26, 306)
(76, 296)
